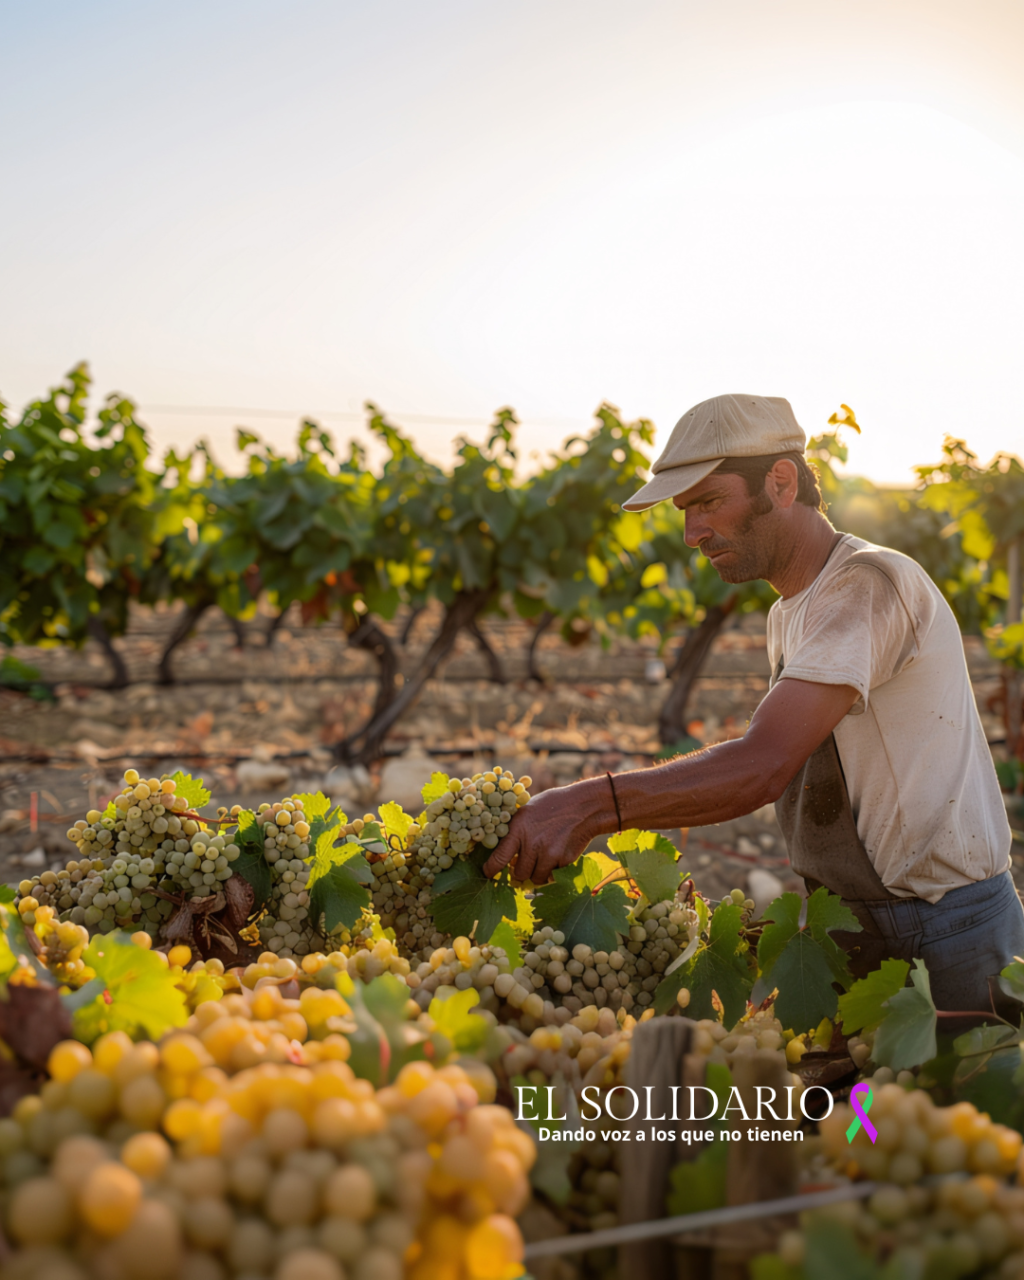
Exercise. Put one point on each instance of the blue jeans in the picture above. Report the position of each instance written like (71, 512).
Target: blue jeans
(966, 938)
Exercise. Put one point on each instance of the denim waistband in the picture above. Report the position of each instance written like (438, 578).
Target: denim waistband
(966, 907)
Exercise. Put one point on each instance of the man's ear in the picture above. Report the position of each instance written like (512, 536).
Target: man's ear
(782, 483)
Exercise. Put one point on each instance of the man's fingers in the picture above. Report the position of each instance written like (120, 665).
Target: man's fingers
(525, 864)
(502, 856)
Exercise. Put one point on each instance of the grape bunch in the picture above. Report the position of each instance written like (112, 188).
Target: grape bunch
(456, 968)
(286, 927)
(473, 811)
(62, 942)
(590, 1048)
(759, 1030)
(966, 1222)
(916, 1137)
(120, 859)
(151, 1163)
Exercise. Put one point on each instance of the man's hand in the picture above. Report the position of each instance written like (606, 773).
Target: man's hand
(551, 831)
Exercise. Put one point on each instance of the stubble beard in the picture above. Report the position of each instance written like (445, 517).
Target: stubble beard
(752, 549)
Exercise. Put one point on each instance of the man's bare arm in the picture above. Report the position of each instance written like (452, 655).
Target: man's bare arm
(716, 784)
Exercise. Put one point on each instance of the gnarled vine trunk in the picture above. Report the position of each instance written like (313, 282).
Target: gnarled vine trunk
(393, 699)
(99, 633)
(685, 670)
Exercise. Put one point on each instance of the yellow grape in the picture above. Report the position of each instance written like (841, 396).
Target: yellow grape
(309, 1264)
(75, 1159)
(40, 1212)
(150, 1248)
(146, 1154)
(109, 1198)
(67, 1059)
(350, 1192)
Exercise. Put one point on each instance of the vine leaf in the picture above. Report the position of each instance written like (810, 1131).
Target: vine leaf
(568, 903)
(862, 1008)
(623, 841)
(825, 912)
(1011, 980)
(251, 863)
(135, 992)
(655, 868)
(700, 1183)
(435, 788)
(803, 964)
(803, 977)
(906, 1036)
(396, 821)
(524, 923)
(192, 789)
(465, 899)
(455, 1019)
(717, 967)
(504, 936)
(337, 881)
(314, 805)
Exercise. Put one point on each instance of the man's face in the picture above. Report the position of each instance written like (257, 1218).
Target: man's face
(735, 531)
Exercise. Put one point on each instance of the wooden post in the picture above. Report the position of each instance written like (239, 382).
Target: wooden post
(757, 1169)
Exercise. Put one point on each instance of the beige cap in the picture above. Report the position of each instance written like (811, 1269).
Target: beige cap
(716, 429)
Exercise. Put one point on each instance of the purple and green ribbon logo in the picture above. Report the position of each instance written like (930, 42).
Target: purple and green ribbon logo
(860, 1100)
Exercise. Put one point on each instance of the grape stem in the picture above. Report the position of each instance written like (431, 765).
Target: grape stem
(618, 874)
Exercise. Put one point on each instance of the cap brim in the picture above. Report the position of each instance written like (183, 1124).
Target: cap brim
(670, 482)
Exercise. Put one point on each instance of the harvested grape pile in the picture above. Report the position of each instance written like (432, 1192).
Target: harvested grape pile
(286, 1042)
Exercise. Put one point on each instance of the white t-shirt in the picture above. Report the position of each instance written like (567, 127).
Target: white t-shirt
(918, 769)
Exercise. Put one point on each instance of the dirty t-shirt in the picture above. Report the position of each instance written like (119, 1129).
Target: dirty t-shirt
(922, 786)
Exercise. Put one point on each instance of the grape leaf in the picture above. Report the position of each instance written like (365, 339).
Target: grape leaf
(655, 869)
(455, 1019)
(1011, 980)
(251, 863)
(504, 937)
(717, 966)
(336, 881)
(7, 893)
(804, 979)
(623, 841)
(700, 1183)
(464, 899)
(524, 923)
(906, 1036)
(386, 998)
(569, 904)
(314, 805)
(804, 963)
(833, 1250)
(192, 789)
(984, 1040)
(110, 812)
(435, 788)
(862, 1007)
(371, 838)
(139, 994)
(827, 911)
(784, 914)
(396, 821)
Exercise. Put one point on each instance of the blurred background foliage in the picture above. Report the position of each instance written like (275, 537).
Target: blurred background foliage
(93, 520)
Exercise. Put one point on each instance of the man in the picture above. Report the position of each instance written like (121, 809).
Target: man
(868, 742)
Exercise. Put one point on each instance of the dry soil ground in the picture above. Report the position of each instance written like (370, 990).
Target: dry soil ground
(257, 722)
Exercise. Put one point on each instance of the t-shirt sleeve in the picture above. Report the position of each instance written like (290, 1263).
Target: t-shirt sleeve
(857, 632)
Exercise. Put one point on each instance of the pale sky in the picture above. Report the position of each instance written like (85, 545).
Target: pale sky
(283, 208)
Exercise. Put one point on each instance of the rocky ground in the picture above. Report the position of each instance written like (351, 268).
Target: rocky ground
(257, 721)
